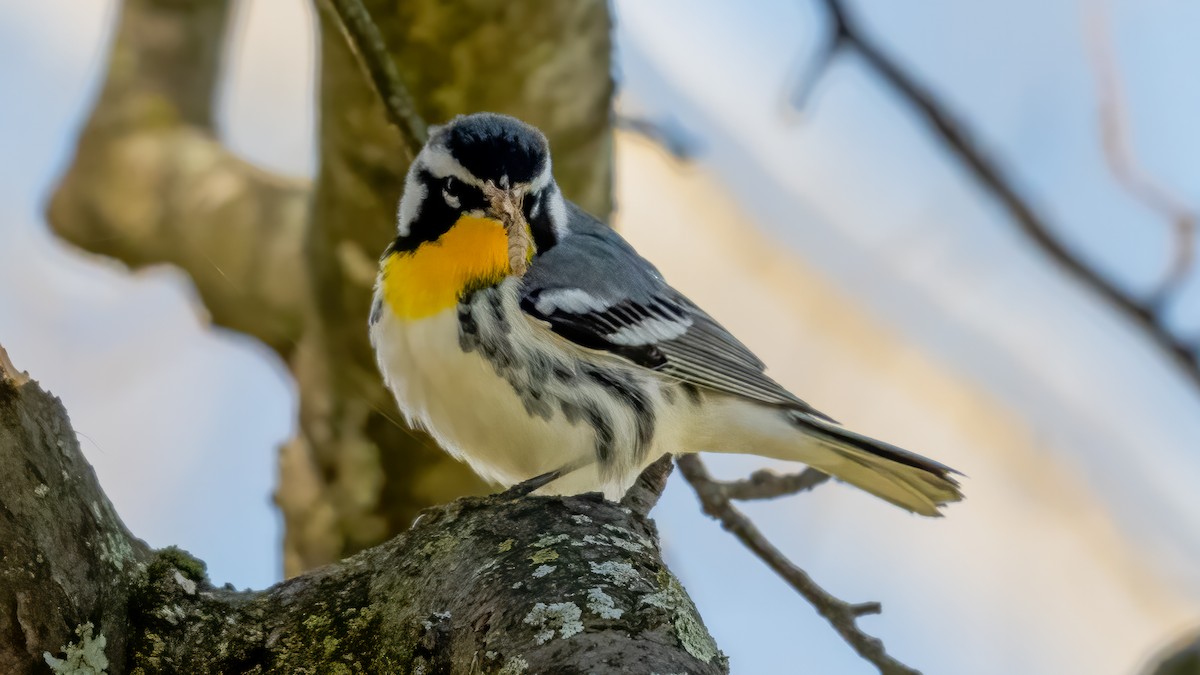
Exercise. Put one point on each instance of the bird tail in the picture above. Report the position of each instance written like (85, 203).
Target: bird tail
(903, 478)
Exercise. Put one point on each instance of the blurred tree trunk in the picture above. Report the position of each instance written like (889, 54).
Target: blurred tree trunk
(293, 264)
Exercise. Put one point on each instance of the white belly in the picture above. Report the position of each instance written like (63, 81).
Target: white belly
(478, 416)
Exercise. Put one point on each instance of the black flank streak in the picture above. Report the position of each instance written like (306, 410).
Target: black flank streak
(496, 303)
(633, 396)
(604, 434)
(569, 411)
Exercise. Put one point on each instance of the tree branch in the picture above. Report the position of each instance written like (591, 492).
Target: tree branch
(1144, 313)
(766, 484)
(1116, 139)
(150, 184)
(841, 615)
(483, 585)
(367, 43)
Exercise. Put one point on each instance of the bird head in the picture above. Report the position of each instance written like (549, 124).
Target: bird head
(479, 202)
(486, 167)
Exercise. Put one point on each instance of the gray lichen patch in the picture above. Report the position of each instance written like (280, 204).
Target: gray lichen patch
(563, 617)
(688, 629)
(515, 665)
(116, 550)
(543, 571)
(41, 490)
(620, 573)
(630, 541)
(550, 540)
(602, 604)
(83, 658)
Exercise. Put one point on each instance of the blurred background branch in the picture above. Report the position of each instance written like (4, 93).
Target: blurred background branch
(1117, 141)
(364, 38)
(1147, 313)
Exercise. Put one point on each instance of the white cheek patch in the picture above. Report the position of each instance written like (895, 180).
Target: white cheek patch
(557, 207)
(542, 179)
(451, 200)
(415, 193)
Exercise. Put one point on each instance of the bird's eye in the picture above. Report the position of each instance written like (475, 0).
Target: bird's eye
(450, 192)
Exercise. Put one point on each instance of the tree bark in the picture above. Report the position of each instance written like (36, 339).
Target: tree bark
(292, 265)
(482, 585)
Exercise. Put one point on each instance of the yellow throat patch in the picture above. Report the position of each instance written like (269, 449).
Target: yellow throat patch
(471, 254)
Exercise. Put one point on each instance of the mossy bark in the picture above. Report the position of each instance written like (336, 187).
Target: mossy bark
(481, 585)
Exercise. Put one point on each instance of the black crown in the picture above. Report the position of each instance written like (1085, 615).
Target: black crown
(491, 146)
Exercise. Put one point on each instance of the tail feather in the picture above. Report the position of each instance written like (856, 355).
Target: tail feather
(903, 478)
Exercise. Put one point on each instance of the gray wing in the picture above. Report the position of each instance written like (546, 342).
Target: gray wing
(592, 288)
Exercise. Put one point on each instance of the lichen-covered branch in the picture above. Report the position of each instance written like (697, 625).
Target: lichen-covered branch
(538, 584)
(66, 560)
(843, 616)
(482, 585)
(1146, 313)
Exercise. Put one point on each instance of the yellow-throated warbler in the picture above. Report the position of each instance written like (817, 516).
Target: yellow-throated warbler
(528, 337)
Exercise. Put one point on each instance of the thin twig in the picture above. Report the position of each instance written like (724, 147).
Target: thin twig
(367, 43)
(988, 173)
(1116, 139)
(840, 614)
(811, 74)
(766, 484)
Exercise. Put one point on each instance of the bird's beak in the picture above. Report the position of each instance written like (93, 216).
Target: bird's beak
(506, 205)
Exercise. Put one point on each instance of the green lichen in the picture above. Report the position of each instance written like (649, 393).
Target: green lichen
(192, 567)
(83, 658)
(543, 556)
(505, 546)
(439, 545)
(684, 617)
